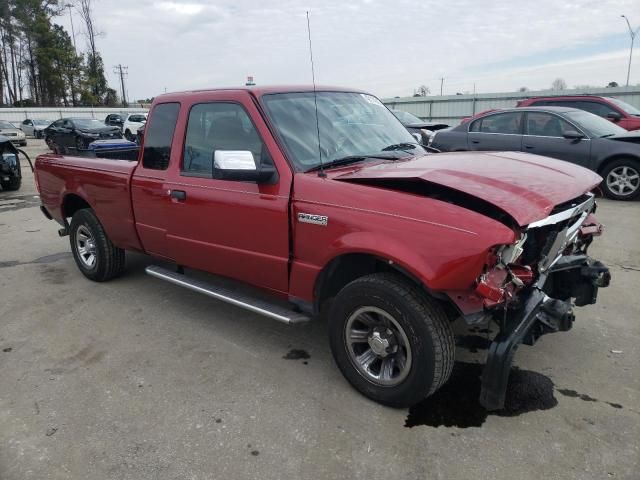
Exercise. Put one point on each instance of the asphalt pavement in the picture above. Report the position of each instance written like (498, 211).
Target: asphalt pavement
(140, 379)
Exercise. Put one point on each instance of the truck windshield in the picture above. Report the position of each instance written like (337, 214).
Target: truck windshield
(350, 124)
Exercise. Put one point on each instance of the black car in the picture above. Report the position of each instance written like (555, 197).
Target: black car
(114, 120)
(10, 174)
(77, 133)
(420, 129)
(565, 133)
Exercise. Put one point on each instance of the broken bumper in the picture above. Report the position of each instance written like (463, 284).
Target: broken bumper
(546, 307)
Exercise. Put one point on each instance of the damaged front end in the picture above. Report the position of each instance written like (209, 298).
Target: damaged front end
(532, 286)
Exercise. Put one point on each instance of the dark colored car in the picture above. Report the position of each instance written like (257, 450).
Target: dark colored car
(77, 133)
(565, 133)
(420, 129)
(10, 174)
(619, 112)
(114, 120)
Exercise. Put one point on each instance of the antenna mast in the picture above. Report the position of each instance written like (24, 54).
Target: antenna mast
(315, 98)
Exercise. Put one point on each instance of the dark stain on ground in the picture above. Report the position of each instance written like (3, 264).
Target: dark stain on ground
(38, 261)
(473, 343)
(7, 350)
(583, 396)
(297, 354)
(255, 453)
(456, 403)
(53, 274)
(573, 394)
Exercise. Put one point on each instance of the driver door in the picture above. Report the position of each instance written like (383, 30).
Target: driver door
(237, 229)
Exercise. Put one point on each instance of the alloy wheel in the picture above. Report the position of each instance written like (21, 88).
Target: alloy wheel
(623, 180)
(378, 346)
(86, 247)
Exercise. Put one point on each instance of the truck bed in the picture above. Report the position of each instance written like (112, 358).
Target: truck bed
(103, 184)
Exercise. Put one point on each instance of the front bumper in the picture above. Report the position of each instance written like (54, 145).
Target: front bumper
(546, 307)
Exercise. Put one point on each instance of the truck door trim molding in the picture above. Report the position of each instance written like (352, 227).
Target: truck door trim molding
(232, 190)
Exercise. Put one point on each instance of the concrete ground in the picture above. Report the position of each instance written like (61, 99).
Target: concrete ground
(139, 379)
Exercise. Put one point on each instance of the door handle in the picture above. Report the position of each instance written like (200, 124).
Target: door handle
(528, 147)
(180, 195)
(475, 141)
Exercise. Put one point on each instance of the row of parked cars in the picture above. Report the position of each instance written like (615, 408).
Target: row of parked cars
(599, 133)
(78, 134)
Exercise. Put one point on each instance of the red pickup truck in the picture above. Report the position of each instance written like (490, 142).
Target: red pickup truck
(322, 201)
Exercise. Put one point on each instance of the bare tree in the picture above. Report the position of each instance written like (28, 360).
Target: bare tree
(421, 91)
(523, 89)
(558, 84)
(85, 9)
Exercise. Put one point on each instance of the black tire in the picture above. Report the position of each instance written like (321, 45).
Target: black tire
(80, 144)
(128, 135)
(109, 259)
(426, 327)
(12, 185)
(612, 172)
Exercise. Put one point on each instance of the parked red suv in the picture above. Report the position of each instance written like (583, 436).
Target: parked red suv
(625, 115)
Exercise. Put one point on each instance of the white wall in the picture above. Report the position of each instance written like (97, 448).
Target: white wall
(45, 113)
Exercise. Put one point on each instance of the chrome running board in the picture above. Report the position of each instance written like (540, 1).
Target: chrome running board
(242, 300)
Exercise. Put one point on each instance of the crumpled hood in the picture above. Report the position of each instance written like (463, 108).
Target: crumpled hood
(525, 186)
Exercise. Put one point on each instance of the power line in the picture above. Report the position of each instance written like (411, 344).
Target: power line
(122, 71)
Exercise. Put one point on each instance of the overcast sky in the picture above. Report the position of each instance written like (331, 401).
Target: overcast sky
(386, 47)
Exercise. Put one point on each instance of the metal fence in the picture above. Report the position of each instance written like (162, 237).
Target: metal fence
(453, 108)
(43, 113)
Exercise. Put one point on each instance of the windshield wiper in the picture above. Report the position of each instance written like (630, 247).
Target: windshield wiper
(607, 135)
(351, 159)
(400, 146)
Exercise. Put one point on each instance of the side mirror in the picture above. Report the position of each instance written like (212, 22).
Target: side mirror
(615, 116)
(417, 136)
(572, 134)
(240, 166)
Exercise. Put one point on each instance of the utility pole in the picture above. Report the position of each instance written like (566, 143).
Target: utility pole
(632, 34)
(122, 70)
(441, 84)
(73, 32)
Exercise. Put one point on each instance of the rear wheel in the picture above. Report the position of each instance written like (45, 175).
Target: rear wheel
(391, 341)
(97, 258)
(622, 179)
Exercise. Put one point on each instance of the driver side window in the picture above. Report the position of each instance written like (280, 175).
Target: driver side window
(219, 126)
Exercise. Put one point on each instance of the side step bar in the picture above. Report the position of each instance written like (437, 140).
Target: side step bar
(242, 300)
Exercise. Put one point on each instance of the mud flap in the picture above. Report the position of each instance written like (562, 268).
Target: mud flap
(495, 376)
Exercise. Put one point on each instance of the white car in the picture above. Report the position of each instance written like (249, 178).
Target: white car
(132, 122)
(33, 127)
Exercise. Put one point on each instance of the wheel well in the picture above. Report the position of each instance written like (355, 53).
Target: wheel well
(346, 268)
(72, 203)
(613, 158)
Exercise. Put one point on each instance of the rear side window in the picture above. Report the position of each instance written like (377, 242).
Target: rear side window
(219, 126)
(509, 123)
(158, 136)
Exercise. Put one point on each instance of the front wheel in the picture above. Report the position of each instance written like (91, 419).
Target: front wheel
(97, 258)
(128, 135)
(391, 341)
(622, 179)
